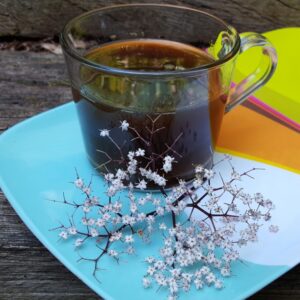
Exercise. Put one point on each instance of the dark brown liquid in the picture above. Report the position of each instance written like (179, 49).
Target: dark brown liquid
(149, 55)
(183, 113)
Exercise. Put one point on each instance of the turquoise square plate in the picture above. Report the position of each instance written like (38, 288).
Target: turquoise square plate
(37, 161)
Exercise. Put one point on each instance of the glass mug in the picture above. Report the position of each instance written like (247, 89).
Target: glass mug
(165, 72)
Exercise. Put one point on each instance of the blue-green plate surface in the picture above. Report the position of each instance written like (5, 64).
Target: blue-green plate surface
(37, 161)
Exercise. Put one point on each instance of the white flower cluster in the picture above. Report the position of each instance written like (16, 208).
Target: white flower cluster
(168, 160)
(188, 258)
(153, 176)
(202, 224)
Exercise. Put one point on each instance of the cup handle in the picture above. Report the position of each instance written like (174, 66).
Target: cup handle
(260, 76)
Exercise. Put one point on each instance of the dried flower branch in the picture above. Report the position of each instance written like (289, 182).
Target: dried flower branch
(204, 221)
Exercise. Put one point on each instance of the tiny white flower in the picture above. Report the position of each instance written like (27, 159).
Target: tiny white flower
(151, 271)
(173, 287)
(95, 200)
(218, 263)
(187, 276)
(269, 204)
(198, 283)
(181, 235)
(267, 217)
(167, 166)
(259, 198)
(160, 211)
(227, 187)
(142, 185)
(130, 155)
(100, 222)
(117, 184)
(133, 208)
(149, 259)
(235, 175)
(141, 217)
(146, 282)
(109, 176)
(121, 174)
(198, 255)
(273, 228)
(104, 132)
(72, 230)
(126, 219)
(209, 173)
(162, 226)
(197, 183)
(142, 201)
(115, 236)
(218, 284)
(156, 201)
(159, 265)
(128, 239)
(168, 242)
(161, 181)
(191, 242)
(169, 158)
(175, 272)
(116, 220)
(132, 221)
(140, 152)
(172, 232)
(204, 270)
(210, 278)
(106, 217)
(94, 232)
(63, 235)
(150, 219)
(113, 253)
(117, 206)
(234, 255)
(78, 183)
(160, 279)
(131, 196)
(87, 190)
(170, 260)
(78, 242)
(130, 186)
(186, 286)
(181, 205)
(210, 258)
(130, 250)
(225, 272)
(132, 166)
(210, 246)
(199, 169)
(91, 222)
(111, 191)
(86, 209)
(124, 125)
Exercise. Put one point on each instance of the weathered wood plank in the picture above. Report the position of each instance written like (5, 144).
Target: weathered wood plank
(42, 18)
(31, 83)
(27, 269)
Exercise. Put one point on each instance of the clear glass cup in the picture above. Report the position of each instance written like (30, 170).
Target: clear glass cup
(171, 110)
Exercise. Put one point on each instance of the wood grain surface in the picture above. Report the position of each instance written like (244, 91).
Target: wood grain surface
(31, 83)
(41, 18)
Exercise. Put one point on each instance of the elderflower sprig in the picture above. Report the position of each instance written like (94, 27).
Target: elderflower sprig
(202, 224)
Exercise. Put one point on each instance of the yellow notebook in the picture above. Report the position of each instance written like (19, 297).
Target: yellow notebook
(281, 95)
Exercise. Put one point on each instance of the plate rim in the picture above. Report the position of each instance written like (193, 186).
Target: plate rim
(54, 250)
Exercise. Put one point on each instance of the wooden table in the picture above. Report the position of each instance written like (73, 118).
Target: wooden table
(31, 83)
